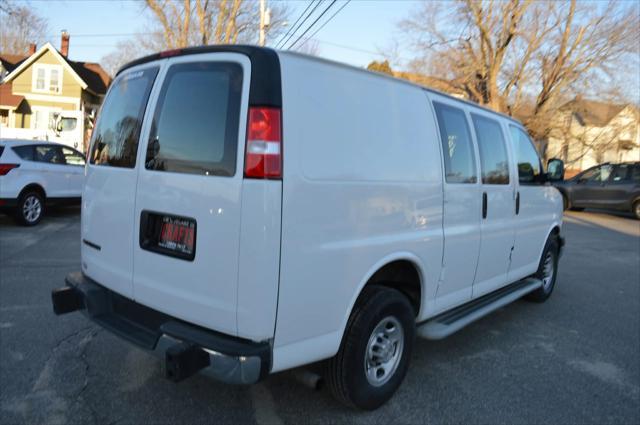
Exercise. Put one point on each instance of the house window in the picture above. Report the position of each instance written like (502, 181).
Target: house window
(4, 117)
(54, 80)
(40, 78)
(47, 78)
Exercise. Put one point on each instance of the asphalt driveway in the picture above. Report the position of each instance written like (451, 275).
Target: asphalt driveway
(574, 359)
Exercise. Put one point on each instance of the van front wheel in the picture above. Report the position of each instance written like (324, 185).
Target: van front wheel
(375, 350)
(547, 271)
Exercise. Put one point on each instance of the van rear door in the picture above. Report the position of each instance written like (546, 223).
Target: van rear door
(110, 181)
(188, 202)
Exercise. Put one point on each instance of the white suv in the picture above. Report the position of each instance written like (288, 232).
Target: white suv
(247, 211)
(35, 174)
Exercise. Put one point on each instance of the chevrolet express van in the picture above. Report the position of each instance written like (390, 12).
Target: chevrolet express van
(247, 211)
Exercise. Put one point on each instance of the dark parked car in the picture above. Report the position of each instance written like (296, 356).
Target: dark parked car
(611, 186)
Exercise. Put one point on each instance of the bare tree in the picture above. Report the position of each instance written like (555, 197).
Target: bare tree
(20, 26)
(309, 47)
(201, 22)
(508, 54)
(149, 41)
(174, 19)
(183, 23)
(125, 51)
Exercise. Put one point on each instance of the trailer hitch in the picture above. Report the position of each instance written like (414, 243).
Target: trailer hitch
(66, 300)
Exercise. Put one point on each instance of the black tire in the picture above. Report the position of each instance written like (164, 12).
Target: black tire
(346, 375)
(576, 208)
(30, 208)
(551, 251)
(635, 209)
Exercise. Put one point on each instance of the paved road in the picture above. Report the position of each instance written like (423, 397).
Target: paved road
(573, 359)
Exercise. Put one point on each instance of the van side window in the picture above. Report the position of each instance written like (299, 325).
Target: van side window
(457, 148)
(195, 125)
(493, 151)
(115, 139)
(529, 165)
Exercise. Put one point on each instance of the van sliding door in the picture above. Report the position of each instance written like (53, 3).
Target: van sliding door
(498, 204)
(461, 212)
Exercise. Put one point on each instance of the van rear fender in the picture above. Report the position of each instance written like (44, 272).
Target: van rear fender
(376, 276)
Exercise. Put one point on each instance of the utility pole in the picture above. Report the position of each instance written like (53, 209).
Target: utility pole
(265, 21)
(261, 40)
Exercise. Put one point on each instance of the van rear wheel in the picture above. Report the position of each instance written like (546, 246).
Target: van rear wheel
(375, 351)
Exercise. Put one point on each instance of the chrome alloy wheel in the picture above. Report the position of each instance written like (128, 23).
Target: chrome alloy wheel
(31, 208)
(548, 271)
(384, 351)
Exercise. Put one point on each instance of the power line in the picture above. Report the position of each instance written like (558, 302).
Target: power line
(295, 23)
(304, 39)
(301, 23)
(325, 23)
(312, 24)
(106, 34)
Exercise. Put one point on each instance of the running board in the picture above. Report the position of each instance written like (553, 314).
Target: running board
(452, 321)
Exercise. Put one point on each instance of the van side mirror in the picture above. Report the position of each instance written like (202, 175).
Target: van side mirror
(555, 170)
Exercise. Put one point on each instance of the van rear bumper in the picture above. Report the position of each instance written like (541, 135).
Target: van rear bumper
(185, 348)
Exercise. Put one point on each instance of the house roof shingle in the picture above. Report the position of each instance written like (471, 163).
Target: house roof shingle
(594, 113)
(96, 78)
(7, 98)
(10, 61)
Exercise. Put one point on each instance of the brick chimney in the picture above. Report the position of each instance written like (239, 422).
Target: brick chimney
(32, 48)
(64, 43)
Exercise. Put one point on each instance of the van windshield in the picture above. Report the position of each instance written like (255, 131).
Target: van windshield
(115, 139)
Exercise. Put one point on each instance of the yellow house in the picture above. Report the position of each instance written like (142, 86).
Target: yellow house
(46, 83)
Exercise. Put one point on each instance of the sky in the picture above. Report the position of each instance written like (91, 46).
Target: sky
(354, 36)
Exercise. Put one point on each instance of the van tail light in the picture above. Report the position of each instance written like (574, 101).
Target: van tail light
(5, 168)
(263, 158)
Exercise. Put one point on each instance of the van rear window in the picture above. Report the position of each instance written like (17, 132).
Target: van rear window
(195, 125)
(115, 139)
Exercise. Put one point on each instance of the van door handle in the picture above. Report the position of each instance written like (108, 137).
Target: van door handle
(484, 204)
(517, 203)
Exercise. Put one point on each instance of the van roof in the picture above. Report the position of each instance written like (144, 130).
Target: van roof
(265, 76)
(266, 83)
(402, 81)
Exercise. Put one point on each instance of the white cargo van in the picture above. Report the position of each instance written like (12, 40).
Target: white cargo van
(247, 211)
